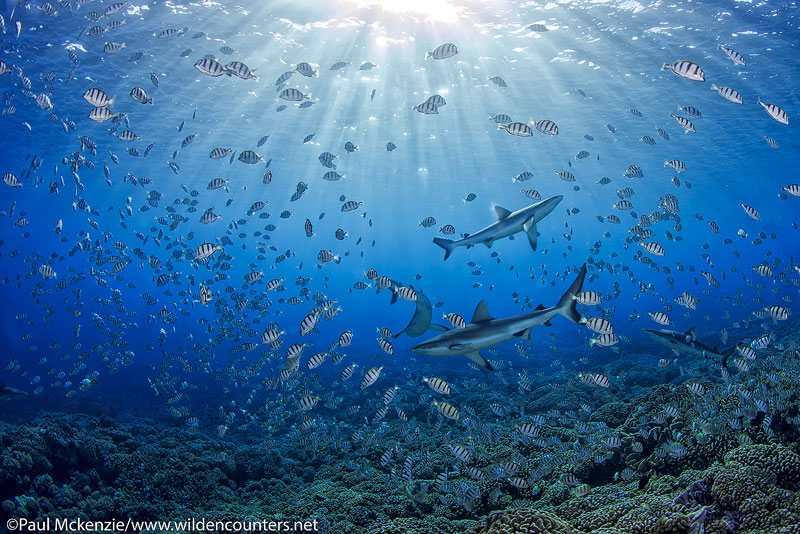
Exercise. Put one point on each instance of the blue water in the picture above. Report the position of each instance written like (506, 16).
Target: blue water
(612, 52)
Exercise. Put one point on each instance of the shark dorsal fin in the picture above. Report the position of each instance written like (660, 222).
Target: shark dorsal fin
(502, 213)
(540, 307)
(481, 314)
(692, 333)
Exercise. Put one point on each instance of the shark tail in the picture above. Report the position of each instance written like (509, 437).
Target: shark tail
(447, 244)
(567, 306)
(727, 354)
(395, 293)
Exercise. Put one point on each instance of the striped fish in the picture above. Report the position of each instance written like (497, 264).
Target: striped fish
(527, 429)
(771, 142)
(274, 284)
(684, 123)
(316, 360)
(775, 112)
(113, 48)
(599, 325)
(750, 211)
(520, 129)
(653, 248)
(518, 482)
(250, 157)
(389, 395)
(693, 112)
(370, 377)
(347, 372)
(271, 335)
(46, 271)
(308, 323)
(696, 388)
(686, 69)
(219, 153)
(588, 298)
(240, 70)
(728, 93)
(101, 114)
(407, 293)
(733, 55)
(793, 189)
(447, 410)
(306, 403)
(206, 250)
(210, 67)
(438, 385)
(346, 338)
(763, 270)
(140, 95)
(385, 346)
(778, 313)
(676, 165)
(660, 318)
(293, 95)
(351, 205)
(455, 320)
(97, 97)
(594, 379)
(544, 126)
(746, 351)
(11, 180)
(604, 340)
(205, 295)
(294, 351)
(442, 51)
(460, 452)
(687, 301)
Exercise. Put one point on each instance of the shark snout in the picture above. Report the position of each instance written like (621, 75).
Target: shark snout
(546, 206)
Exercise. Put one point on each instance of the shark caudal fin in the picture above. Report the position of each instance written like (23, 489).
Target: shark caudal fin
(727, 354)
(447, 244)
(567, 306)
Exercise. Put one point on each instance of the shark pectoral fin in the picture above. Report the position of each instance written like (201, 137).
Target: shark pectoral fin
(527, 225)
(547, 323)
(481, 314)
(525, 334)
(438, 328)
(459, 346)
(502, 213)
(530, 229)
(480, 360)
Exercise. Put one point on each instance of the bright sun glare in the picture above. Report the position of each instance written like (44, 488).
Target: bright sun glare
(429, 10)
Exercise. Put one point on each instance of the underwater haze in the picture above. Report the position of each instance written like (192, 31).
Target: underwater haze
(387, 267)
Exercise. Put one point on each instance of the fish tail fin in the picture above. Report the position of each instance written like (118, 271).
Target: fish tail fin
(567, 306)
(447, 244)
